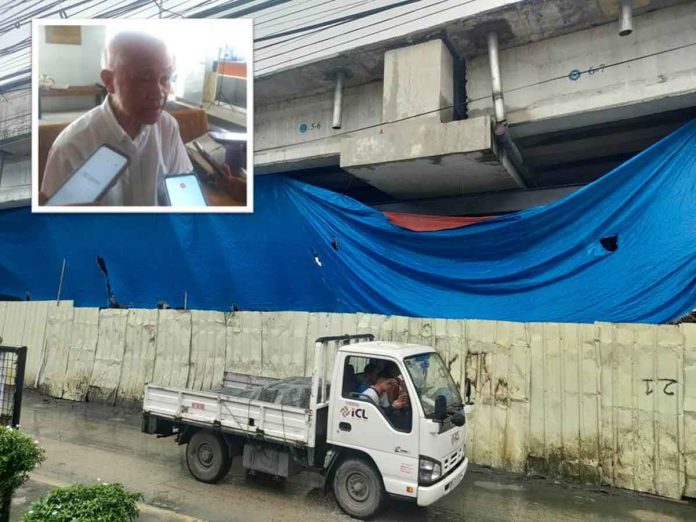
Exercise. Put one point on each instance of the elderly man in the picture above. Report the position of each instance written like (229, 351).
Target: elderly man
(136, 72)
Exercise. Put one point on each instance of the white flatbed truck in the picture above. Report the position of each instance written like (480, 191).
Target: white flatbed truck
(366, 452)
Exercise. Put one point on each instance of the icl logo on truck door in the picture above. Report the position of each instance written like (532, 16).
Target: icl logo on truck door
(358, 413)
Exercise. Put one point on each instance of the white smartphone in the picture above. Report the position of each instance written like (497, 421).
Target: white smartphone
(91, 180)
(183, 190)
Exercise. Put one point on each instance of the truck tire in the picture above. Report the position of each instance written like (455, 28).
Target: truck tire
(358, 488)
(207, 456)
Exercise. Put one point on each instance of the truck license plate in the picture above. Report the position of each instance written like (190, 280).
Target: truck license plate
(456, 481)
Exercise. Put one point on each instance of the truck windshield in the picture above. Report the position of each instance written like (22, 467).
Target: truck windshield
(431, 378)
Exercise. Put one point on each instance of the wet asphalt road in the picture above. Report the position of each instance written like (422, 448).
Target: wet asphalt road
(89, 442)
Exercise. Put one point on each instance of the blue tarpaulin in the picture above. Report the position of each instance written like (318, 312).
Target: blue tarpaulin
(309, 249)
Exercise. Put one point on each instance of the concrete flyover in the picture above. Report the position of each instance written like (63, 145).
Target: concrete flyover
(417, 108)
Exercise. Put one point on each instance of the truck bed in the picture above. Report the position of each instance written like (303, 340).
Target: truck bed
(231, 413)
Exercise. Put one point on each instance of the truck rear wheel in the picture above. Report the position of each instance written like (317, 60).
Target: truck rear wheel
(207, 456)
(358, 488)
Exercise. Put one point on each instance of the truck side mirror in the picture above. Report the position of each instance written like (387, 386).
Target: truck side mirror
(440, 407)
(458, 419)
(467, 391)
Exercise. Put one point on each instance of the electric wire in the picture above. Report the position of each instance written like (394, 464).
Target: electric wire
(15, 47)
(15, 117)
(296, 38)
(18, 5)
(174, 9)
(162, 9)
(343, 19)
(21, 84)
(44, 12)
(21, 53)
(14, 74)
(117, 12)
(330, 24)
(210, 13)
(317, 15)
(304, 36)
(351, 31)
(590, 69)
(12, 5)
(200, 5)
(91, 15)
(274, 16)
(15, 61)
(156, 8)
(15, 93)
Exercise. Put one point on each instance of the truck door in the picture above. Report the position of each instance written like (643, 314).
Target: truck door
(388, 436)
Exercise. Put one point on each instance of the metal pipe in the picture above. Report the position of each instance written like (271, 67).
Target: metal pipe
(496, 80)
(338, 100)
(60, 282)
(502, 132)
(626, 18)
(510, 167)
(510, 157)
(512, 154)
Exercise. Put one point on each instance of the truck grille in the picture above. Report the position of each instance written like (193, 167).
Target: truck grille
(452, 460)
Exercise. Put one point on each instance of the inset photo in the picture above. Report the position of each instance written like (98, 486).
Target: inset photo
(142, 116)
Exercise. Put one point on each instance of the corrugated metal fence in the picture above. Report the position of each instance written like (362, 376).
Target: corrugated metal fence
(604, 403)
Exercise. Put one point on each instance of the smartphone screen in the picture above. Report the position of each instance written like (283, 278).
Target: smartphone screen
(184, 191)
(92, 179)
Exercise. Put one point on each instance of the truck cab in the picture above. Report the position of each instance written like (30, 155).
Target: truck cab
(418, 444)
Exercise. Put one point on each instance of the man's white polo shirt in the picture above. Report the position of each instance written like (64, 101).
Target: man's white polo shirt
(379, 399)
(156, 151)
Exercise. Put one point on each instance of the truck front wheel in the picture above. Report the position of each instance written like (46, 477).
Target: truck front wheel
(358, 488)
(207, 456)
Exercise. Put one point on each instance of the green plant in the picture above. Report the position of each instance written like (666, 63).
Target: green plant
(85, 503)
(19, 454)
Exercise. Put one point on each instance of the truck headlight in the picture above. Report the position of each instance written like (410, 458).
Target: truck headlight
(429, 471)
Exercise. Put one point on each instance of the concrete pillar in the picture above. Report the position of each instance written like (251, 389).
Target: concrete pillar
(418, 80)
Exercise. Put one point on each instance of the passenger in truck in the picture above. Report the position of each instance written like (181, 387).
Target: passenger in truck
(369, 377)
(379, 393)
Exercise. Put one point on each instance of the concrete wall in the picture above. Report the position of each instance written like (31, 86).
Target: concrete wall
(15, 114)
(73, 64)
(15, 180)
(15, 134)
(603, 403)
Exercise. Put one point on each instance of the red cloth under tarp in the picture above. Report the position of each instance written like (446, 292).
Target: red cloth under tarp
(425, 223)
